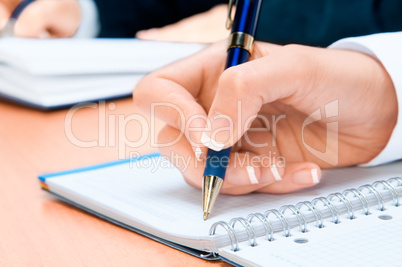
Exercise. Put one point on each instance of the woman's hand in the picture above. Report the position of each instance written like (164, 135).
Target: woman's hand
(288, 112)
(43, 18)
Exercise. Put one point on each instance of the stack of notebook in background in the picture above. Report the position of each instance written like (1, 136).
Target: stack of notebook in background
(62, 72)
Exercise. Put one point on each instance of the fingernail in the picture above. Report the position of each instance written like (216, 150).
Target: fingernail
(251, 175)
(275, 173)
(314, 174)
(210, 143)
(198, 153)
(306, 177)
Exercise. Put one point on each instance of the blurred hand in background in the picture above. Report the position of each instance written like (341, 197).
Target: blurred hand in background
(62, 18)
(207, 27)
(43, 18)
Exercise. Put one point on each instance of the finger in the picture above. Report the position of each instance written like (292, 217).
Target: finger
(65, 19)
(170, 93)
(178, 108)
(45, 18)
(248, 172)
(302, 175)
(243, 89)
(243, 174)
(33, 21)
(258, 139)
(156, 34)
(181, 155)
(289, 176)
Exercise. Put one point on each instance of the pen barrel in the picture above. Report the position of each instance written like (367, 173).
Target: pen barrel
(217, 162)
(246, 17)
(236, 56)
(240, 46)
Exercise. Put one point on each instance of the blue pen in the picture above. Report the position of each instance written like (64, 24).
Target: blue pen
(9, 27)
(239, 49)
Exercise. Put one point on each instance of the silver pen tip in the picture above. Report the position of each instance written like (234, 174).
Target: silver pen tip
(210, 190)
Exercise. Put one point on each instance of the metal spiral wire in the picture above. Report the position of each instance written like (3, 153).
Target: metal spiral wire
(361, 194)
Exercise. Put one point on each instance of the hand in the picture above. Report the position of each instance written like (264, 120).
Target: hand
(6, 7)
(207, 27)
(46, 18)
(309, 100)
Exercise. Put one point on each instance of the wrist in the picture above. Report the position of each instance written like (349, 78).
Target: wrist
(385, 48)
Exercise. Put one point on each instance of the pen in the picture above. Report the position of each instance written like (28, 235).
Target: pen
(239, 49)
(9, 27)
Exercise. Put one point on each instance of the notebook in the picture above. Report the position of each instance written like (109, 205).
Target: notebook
(60, 72)
(353, 217)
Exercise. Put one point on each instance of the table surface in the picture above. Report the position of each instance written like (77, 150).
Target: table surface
(38, 230)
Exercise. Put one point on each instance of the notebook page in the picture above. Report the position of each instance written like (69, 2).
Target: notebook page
(153, 192)
(90, 56)
(366, 240)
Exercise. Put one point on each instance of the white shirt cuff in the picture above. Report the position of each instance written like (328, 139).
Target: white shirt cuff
(90, 25)
(386, 47)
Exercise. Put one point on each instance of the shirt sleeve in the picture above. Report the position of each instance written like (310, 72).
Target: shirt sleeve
(386, 47)
(90, 25)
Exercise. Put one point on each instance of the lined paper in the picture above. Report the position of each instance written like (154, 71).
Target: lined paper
(158, 197)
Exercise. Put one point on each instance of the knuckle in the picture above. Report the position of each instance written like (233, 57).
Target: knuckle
(234, 82)
(296, 54)
(302, 61)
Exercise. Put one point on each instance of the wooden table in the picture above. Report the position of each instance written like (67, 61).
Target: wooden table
(38, 230)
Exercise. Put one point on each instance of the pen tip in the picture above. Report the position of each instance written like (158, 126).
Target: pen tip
(205, 216)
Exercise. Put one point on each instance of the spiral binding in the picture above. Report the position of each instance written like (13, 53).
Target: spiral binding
(361, 193)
